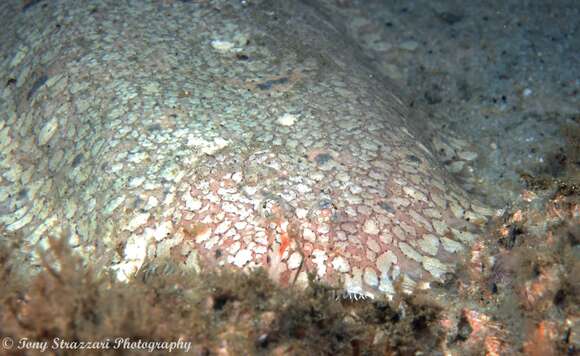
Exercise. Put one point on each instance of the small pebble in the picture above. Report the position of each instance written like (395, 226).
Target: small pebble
(287, 119)
(222, 46)
(47, 132)
(468, 155)
(409, 45)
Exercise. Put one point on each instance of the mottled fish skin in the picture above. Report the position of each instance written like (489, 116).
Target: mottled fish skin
(155, 141)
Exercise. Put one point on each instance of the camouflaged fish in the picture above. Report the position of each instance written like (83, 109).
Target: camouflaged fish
(220, 134)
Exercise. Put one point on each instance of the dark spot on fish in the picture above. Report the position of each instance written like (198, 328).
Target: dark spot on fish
(513, 237)
(414, 158)
(22, 194)
(77, 160)
(154, 127)
(433, 96)
(325, 204)
(450, 18)
(420, 322)
(536, 270)
(573, 239)
(218, 253)
(220, 301)
(268, 84)
(11, 81)
(322, 158)
(463, 329)
(138, 202)
(36, 85)
(387, 207)
(560, 298)
(242, 57)
(29, 4)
